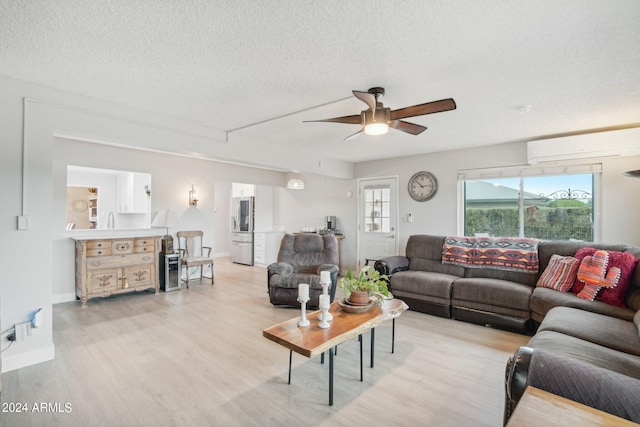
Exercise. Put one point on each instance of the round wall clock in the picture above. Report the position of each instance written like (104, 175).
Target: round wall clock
(423, 186)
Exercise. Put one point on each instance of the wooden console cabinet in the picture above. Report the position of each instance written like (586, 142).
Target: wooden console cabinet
(108, 266)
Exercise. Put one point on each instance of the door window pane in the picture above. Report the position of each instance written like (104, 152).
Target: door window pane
(377, 201)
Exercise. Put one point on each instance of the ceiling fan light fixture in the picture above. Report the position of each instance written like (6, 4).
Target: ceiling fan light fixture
(376, 128)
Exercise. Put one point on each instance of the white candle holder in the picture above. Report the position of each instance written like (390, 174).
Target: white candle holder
(303, 307)
(325, 291)
(324, 320)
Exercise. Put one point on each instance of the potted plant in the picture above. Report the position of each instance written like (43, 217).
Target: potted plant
(368, 283)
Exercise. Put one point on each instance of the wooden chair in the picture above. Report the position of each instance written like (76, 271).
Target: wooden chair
(193, 254)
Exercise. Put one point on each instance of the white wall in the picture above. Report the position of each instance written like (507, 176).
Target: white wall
(321, 196)
(620, 221)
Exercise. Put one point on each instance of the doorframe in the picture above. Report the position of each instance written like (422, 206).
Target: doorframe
(359, 225)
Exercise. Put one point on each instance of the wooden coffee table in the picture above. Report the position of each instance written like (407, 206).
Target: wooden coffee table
(312, 341)
(541, 408)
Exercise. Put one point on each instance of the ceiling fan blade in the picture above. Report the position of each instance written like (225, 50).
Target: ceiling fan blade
(355, 135)
(353, 120)
(407, 127)
(367, 98)
(422, 109)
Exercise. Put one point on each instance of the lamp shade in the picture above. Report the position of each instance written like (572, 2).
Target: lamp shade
(165, 218)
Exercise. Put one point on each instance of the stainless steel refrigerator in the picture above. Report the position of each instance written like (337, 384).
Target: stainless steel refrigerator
(242, 230)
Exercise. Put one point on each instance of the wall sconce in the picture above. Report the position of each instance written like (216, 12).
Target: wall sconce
(193, 197)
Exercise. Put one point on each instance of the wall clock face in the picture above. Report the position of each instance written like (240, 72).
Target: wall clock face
(423, 186)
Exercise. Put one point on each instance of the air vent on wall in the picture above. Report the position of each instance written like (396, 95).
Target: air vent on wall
(625, 142)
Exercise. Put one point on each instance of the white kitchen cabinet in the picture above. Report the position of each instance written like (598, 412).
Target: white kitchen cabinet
(132, 192)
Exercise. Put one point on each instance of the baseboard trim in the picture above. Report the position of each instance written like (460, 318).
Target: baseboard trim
(28, 358)
(66, 297)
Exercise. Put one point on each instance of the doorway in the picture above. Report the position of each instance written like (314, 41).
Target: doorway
(377, 219)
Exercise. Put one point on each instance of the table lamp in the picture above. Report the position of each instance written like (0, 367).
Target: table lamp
(165, 219)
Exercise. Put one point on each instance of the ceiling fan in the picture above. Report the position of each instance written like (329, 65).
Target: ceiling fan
(376, 120)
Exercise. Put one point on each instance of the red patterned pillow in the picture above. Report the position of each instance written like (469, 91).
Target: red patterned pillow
(560, 273)
(625, 261)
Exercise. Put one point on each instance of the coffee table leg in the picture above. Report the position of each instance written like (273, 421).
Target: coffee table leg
(361, 364)
(290, 358)
(393, 335)
(373, 340)
(331, 376)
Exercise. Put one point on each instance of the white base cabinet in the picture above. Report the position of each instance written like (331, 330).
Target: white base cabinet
(266, 245)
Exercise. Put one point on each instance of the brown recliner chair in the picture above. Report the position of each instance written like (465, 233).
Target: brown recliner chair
(300, 260)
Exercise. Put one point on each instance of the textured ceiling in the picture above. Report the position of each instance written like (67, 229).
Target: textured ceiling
(258, 68)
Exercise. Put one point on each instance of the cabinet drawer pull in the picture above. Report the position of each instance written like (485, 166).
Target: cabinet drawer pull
(146, 258)
(96, 263)
(123, 247)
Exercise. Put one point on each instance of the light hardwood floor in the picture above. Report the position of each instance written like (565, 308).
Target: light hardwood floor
(197, 357)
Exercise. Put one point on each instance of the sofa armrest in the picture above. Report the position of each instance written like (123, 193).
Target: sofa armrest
(280, 268)
(573, 379)
(516, 379)
(391, 265)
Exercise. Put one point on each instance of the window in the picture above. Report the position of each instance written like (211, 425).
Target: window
(551, 203)
(377, 208)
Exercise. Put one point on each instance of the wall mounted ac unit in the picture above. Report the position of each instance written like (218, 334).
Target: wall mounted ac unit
(625, 142)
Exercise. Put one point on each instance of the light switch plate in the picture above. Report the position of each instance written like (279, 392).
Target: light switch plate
(23, 222)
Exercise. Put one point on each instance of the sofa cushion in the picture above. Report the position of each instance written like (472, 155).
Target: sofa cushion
(423, 282)
(597, 328)
(625, 261)
(544, 299)
(509, 276)
(423, 264)
(559, 274)
(595, 354)
(425, 246)
(585, 383)
(492, 292)
(293, 280)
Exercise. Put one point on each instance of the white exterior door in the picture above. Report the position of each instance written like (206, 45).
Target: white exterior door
(377, 218)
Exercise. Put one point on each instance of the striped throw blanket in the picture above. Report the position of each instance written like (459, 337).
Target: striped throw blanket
(504, 253)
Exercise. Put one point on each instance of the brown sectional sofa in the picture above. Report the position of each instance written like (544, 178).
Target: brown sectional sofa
(588, 357)
(587, 351)
(504, 299)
